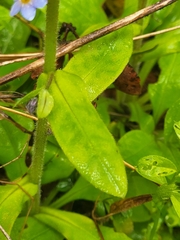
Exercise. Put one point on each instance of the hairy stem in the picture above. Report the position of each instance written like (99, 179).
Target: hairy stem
(36, 169)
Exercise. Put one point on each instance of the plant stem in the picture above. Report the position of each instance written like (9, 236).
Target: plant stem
(36, 169)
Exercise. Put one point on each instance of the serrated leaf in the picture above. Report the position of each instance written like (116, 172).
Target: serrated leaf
(84, 137)
(155, 168)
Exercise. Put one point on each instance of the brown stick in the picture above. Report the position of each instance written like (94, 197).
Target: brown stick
(89, 38)
(123, 205)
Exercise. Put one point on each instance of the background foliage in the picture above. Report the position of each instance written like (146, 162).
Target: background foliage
(83, 163)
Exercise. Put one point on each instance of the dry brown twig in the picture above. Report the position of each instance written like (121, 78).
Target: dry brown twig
(89, 38)
(6, 59)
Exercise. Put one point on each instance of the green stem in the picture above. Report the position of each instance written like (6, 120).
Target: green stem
(51, 36)
(36, 169)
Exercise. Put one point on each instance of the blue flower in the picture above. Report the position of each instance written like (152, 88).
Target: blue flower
(27, 8)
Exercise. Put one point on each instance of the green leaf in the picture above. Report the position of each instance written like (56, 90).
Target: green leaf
(41, 83)
(145, 120)
(72, 226)
(12, 198)
(81, 190)
(34, 230)
(27, 97)
(14, 140)
(83, 14)
(165, 191)
(84, 137)
(10, 42)
(172, 116)
(109, 234)
(99, 63)
(155, 168)
(175, 199)
(4, 17)
(45, 104)
(137, 144)
(55, 159)
(166, 91)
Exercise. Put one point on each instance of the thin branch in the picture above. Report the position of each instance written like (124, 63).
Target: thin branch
(30, 25)
(5, 233)
(129, 166)
(19, 113)
(6, 59)
(156, 33)
(89, 38)
(15, 159)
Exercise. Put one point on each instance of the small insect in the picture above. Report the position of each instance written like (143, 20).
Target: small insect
(32, 105)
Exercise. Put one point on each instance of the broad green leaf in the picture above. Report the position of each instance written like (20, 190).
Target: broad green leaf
(11, 202)
(45, 104)
(175, 199)
(82, 14)
(166, 91)
(57, 165)
(109, 234)
(102, 109)
(13, 141)
(161, 45)
(10, 42)
(137, 144)
(81, 190)
(172, 116)
(34, 230)
(84, 137)
(145, 120)
(99, 63)
(155, 168)
(4, 17)
(72, 226)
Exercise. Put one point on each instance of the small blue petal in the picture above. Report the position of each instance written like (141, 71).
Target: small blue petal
(16, 7)
(28, 12)
(39, 3)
